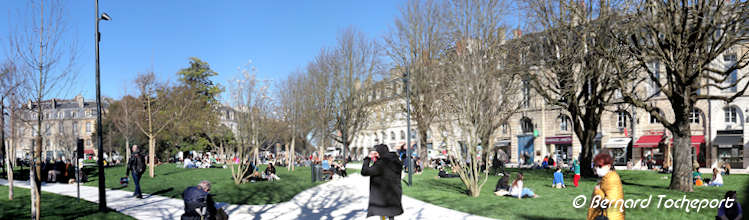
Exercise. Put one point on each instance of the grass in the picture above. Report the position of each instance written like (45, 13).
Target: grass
(171, 181)
(557, 203)
(53, 207)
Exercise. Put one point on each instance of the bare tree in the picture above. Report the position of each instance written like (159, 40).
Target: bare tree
(10, 81)
(688, 39)
(481, 84)
(122, 117)
(320, 86)
(253, 104)
(416, 44)
(355, 59)
(292, 106)
(42, 46)
(574, 60)
(161, 107)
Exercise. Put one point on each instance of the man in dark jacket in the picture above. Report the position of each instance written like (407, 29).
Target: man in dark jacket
(136, 165)
(199, 202)
(384, 183)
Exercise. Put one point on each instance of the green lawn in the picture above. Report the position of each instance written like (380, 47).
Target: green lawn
(557, 203)
(53, 207)
(170, 181)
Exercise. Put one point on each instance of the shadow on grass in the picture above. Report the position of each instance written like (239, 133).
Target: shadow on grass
(529, 217)
(642, 185)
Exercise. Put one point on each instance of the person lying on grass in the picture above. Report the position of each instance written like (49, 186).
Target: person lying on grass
(443, 174)
(517, 190)
(558, 181)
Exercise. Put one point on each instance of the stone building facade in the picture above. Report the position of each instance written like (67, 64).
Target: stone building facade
(63, 123)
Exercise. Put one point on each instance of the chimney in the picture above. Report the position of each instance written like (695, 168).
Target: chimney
(79, 100)
(54, 103)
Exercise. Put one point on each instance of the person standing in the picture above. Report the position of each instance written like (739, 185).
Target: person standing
(385, 190)
(609, 188)
(136, 165)
(576, 167)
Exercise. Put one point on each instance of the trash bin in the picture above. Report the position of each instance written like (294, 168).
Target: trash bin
(314, 173)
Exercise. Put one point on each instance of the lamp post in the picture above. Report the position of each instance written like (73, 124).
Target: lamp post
(408, 128)
(100, 161)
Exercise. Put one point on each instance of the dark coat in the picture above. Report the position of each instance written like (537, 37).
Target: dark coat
(195, 198)
(384, 183)
(136, 159)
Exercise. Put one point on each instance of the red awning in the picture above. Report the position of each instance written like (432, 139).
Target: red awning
(88, 151)
(649, 141)
(696, 141)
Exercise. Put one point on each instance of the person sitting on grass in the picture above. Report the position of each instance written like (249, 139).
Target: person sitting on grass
(517, 190)
(558, 181)
(696, 175)
(545, 163)
(732, 213)
(503, 185)
(717, 178)
(443, 174)
(270, 173)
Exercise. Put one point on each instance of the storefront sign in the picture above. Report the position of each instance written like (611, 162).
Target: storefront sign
(559, 140)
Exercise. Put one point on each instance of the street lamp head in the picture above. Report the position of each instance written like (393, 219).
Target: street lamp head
(105, 16)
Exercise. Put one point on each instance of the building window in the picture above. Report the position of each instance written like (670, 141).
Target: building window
(526, 125)
(59, 128)
(655, 89)
(504, 128)
(564, 122)
(88, 127)
(731, 115)
(730, 61)
(60, 115)
(653, 119)
(88, 142)
(384, 136)
(392, 135)
(694, 116)
(403, 135)
(526, 93)
(622, 119)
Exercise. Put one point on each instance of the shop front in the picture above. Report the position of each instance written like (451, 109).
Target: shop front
(730, 144)
(562, 151)
(525, 149)
(617, 147)
(650, 149)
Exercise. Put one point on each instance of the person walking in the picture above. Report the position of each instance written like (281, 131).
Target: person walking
(136, 165)
(609, 188)
(384, 183)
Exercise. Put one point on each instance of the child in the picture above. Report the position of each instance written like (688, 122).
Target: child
(558, 181)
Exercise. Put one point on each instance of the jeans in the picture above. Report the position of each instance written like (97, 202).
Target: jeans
(525, 193)
(136, 180)
(715, 184)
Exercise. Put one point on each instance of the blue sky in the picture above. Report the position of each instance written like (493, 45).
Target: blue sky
(278, 36)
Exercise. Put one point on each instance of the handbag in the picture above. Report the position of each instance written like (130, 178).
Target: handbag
(602, 216)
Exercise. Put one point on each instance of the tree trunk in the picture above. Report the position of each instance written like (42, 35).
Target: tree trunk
(423, 154)
(127, 149)
(151, 154)
(586, 157)
(292, 155)
(681, 178)
(8, 168)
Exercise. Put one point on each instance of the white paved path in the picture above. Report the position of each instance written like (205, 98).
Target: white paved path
(345, 198)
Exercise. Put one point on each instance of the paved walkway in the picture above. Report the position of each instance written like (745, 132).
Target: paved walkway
(345, 198)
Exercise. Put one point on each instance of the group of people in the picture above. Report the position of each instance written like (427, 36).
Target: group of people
(61, 170)
(254, 175)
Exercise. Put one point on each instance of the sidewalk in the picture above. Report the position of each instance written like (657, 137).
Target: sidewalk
(345, 198)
